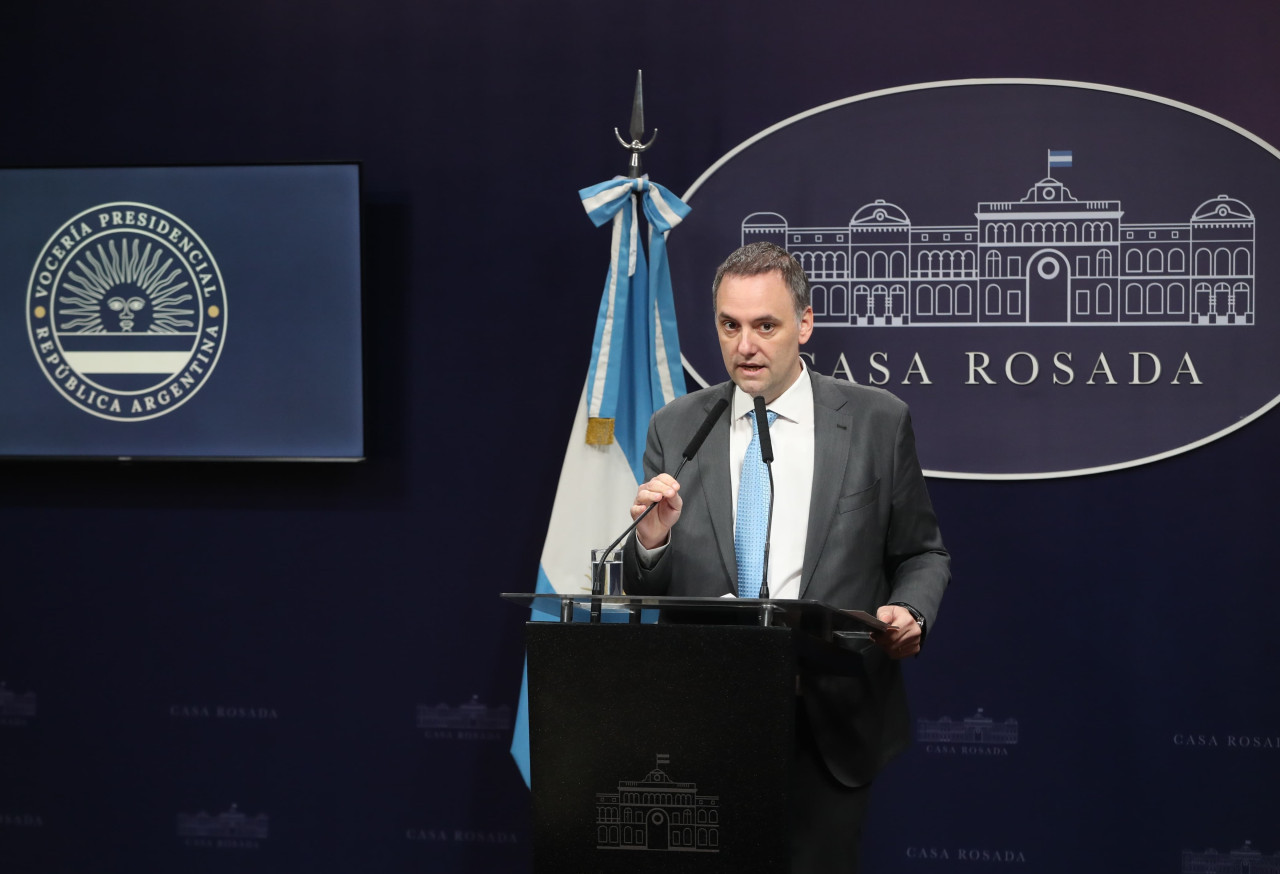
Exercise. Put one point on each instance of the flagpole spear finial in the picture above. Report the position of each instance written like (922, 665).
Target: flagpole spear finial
(635, 169)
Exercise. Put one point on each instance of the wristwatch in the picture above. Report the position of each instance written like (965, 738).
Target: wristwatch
(915, 614)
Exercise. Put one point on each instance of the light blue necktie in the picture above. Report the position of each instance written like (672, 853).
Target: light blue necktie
(753, 515)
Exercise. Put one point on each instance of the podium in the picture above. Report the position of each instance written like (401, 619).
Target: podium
(668, 746)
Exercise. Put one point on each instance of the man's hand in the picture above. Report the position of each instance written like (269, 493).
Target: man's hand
(901, 642)
(662, 490)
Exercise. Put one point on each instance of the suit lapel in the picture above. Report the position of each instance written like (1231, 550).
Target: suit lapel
(831, 436)
(713, 467)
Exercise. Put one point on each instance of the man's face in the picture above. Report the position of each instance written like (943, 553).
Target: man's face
(759, 335)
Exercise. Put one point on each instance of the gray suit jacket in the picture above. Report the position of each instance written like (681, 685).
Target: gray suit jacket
(872, 540)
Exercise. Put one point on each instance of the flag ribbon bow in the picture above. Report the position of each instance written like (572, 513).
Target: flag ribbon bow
(639, 294)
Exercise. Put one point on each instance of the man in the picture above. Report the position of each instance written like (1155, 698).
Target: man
(853, 527)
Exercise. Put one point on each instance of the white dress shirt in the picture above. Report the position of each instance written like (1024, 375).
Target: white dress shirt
(792, 436)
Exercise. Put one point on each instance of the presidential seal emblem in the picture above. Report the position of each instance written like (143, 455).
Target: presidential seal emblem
(126, 311)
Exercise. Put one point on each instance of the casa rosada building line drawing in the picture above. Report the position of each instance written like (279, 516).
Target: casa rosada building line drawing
(1047, 259)
(657, 813)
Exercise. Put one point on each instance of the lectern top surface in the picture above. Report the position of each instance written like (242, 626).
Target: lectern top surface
(788, 611)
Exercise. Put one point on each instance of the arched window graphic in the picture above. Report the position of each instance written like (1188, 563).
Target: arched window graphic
(879, 265)
(879, 301)
(1240, 299)
(1204, 299)
(1104, 299)
(1105, 267)
(1221, 298)
(1133, 261)
(923, 263)
(841, 263)
(945, 302)
(1177, 261)
(1155, 261)
(993, 264)
(1204, 262)
(1096, 232)
(898, 265)
(818, 299)
(702, 815)
(626, 835)
(1241, 267)
(1221, 262)
(862, 265)
(924, 300)
(964, 300)
(839, 301)
(1155, 298)
(967, 262)
(1133, 298)
(862, 301)
(898, 300)
(1177, 299)
(993, 300)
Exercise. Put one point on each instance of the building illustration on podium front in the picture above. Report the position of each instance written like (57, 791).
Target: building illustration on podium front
(1047, 259)
(657, 813)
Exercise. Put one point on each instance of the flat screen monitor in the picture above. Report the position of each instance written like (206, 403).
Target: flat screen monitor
(202, 312)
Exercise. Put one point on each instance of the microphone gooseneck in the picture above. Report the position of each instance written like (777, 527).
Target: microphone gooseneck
(699, 437)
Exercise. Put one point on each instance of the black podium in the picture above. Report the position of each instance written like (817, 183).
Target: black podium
(667, 746)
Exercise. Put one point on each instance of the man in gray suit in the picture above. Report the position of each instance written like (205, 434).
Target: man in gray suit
(853, 527)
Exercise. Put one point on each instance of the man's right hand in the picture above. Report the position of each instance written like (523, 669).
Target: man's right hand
(664, 491)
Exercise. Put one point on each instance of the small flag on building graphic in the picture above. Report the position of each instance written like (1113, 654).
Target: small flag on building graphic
(1059, 158)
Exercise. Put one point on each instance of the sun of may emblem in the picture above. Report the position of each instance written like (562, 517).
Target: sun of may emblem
(126, 311)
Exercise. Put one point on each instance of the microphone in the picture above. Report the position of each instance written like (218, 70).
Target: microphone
(699, 437)
(766, 455)
(696, 443)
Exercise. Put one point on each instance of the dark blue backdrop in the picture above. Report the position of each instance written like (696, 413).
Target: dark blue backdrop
(181, 638)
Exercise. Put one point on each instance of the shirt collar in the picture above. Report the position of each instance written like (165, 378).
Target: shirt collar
(795, 404)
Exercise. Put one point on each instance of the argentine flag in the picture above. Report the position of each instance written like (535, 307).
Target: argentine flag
(635, 369)
(1059, 158)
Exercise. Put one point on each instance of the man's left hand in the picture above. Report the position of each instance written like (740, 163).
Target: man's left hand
(900, 642)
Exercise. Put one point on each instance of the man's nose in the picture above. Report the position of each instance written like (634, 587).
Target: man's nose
(747, 342)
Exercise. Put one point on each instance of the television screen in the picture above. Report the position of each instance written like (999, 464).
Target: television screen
(181, 312)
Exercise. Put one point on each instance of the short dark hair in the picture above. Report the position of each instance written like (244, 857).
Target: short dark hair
(754, 259)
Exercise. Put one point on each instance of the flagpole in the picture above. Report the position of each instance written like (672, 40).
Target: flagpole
(635, 170)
